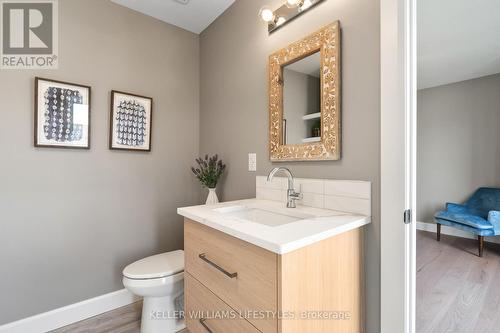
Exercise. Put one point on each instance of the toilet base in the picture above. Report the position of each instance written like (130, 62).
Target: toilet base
(149, 279)
(159, 315)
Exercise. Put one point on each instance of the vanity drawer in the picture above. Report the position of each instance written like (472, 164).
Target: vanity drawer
(241, 274)
(205, 312)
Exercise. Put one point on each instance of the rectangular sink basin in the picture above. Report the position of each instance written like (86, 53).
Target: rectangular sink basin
(257, 215)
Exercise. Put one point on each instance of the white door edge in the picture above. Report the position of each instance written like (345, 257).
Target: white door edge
(398, 164)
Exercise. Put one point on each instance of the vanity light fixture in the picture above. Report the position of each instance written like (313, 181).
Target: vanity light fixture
(280, 20)
(288, 11)
(293, 3)
(266, 14)
(306, 5)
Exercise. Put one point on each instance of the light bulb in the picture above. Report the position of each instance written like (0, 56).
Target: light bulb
(280, 20)
(305, 5)
(293, 3)
(266, 14)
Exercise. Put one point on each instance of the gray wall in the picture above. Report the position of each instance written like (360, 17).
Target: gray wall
(458, 142)
(234, 116)
(72, 219)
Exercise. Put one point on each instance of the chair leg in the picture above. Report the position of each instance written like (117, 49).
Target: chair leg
(481, 245)
(438, 232)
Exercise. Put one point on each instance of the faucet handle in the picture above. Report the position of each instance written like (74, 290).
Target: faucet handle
(292, 196)
(299, 192)
(296, 195)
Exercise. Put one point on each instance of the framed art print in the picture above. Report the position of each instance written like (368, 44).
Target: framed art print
(131, 120)
(62, 114)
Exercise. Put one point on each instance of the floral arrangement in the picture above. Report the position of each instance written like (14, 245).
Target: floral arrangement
(209, 170)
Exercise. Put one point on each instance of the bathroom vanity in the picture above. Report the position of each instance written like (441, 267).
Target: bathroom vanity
(257, 266)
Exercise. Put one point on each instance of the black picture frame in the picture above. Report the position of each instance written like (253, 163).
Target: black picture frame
(131, 122)
(62, 114)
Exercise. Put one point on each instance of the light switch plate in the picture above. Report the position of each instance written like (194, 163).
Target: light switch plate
(252, 162)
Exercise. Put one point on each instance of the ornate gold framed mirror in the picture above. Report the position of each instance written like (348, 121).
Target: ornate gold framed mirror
(304, 98)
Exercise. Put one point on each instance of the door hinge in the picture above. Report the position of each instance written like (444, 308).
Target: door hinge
(407, 216)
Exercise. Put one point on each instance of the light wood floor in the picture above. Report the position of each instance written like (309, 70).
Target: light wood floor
(122, 320)
(457, 291)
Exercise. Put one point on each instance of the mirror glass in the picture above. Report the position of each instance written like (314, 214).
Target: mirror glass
(302, 101)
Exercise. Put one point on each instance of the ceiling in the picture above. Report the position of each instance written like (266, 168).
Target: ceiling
(457, 40)
(192, 15)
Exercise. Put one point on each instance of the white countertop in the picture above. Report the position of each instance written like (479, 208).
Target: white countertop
(313, 224)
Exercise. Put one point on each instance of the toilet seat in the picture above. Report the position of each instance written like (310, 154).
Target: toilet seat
(156, 267)
(152, 283)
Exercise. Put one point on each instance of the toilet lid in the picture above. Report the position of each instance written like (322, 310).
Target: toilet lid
(156, 266)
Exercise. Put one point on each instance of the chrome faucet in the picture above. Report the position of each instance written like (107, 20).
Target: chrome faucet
(291, 195)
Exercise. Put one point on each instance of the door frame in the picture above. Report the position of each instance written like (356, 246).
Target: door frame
(398, 164)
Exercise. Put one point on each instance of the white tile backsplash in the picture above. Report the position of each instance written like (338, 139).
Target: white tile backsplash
(312, 200)
(276, 183)
(270, 194)
(341, 195)
(348, 204)
(305, 185)
(346, 188)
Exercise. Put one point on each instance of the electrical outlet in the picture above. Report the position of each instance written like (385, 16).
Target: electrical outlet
(252, 162)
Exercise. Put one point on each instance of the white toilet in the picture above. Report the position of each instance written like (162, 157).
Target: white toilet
(159, 280)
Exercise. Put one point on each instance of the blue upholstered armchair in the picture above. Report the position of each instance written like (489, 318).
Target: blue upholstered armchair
(480, 215)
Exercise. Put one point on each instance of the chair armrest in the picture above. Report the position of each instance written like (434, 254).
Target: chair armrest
(494, 218)
(456, 208)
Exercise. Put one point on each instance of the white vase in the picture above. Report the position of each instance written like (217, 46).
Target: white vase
(212, 197)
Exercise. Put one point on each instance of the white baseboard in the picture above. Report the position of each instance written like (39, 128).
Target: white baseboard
(445, 230)
(70, 314)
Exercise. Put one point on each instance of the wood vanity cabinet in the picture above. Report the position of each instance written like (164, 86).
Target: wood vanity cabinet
(233, 286)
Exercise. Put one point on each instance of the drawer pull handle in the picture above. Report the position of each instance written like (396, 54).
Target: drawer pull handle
(203, 257)
(202, 322)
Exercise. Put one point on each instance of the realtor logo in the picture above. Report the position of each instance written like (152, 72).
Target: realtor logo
(29, 34)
